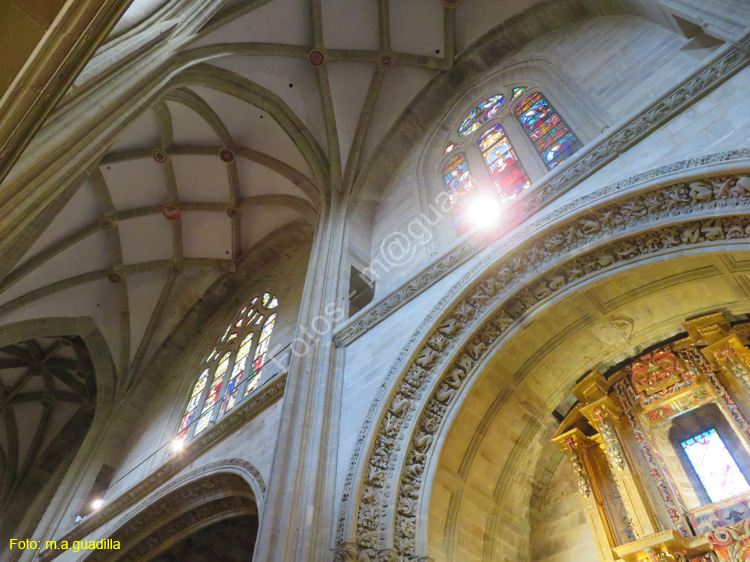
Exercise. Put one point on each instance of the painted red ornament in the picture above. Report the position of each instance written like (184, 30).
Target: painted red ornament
(226, 155)
(171, 212)
(316, 57)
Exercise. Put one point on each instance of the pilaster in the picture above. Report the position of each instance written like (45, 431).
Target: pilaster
(572, 444)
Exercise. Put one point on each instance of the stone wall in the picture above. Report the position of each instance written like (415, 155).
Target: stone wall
(162, 415)
(588, 73)
(560, 532)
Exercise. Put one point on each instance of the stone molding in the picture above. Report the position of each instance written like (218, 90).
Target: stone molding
(653, 222)
(250, 409)
(469, 248)
(184, 508)
(595, 156)
(257, 483)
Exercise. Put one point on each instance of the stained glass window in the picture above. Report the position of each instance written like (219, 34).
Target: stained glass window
(260, 354)
(715, 466)
(505, 169)
(459, 183)
(449, 148)
(232, 373)
(483, 112)
(517, 92)
(549, 133)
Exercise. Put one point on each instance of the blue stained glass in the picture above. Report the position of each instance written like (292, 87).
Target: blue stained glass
(484, 111)
(550, 135)
(714, 465)
(500, 150)
(558, 152)
(458, 180)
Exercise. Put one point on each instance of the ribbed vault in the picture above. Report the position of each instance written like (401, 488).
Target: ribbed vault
(262, 112)
(54, 376)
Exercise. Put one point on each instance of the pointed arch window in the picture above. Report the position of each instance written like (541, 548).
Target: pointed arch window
(489, 136)
(234, 366)
(552, 138)
(484, 111)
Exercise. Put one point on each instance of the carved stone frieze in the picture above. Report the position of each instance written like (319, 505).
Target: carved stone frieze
(470, 248)
(165, 525)
(606, 237)
(193, 475)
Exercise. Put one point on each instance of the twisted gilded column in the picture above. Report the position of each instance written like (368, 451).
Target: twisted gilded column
(603, 415)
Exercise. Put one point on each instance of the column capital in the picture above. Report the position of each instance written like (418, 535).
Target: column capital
(666, 546)
(604, 409)
(569, 442)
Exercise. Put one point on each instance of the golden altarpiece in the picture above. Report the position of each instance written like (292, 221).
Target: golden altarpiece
(661, 449)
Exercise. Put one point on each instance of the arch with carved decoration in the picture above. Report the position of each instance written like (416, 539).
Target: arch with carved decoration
(640, 221)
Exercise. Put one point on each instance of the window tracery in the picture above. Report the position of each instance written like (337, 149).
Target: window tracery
(483, 153)
(234, 366)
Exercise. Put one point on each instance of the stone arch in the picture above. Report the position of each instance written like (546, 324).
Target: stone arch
(205, 496)
(549, 259)
(26, 510)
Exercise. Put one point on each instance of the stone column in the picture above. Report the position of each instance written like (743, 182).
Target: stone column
(79, 133)
(602, 414)
(299, 511)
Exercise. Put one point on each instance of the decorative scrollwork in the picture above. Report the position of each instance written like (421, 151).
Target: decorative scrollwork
(611, 445)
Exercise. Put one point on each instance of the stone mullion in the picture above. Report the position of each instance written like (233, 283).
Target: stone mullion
(479, 170)
(572, 444)
(524, 149)
(631, 493)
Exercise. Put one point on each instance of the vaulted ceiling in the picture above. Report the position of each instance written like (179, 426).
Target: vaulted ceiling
(47, 400)
(242, 145)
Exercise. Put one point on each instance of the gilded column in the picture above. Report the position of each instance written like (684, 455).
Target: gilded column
(573, 443)
(602, 414)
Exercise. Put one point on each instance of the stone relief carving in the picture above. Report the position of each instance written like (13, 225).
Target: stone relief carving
(469, 249)
(209, 501)
(400, 438)
(192, 475)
